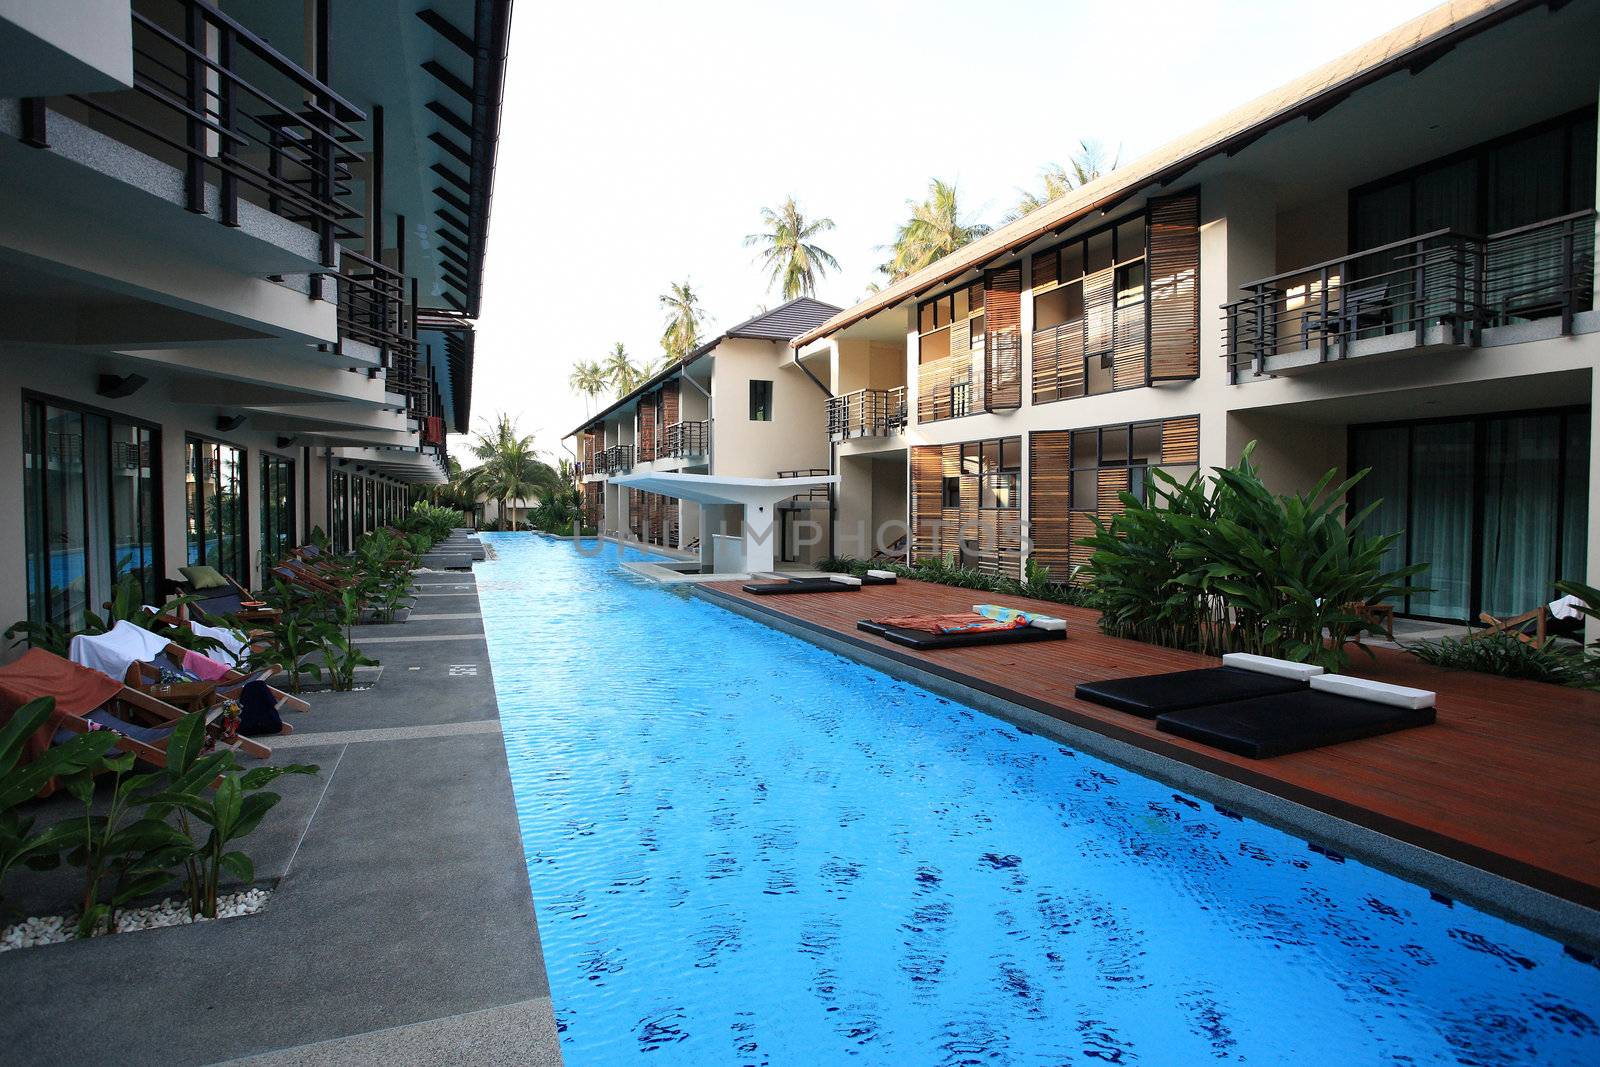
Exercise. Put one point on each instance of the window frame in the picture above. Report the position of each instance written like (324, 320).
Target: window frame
(241, 495)
(990, 475)
(282, 477)
(760, 412)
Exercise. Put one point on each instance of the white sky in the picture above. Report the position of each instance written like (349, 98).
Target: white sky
(640, 140)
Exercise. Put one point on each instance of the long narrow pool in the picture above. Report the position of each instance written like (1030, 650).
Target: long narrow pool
(745, 849)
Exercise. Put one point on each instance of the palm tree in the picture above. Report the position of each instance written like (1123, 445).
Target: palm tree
(510, 467)
(619, 369)
(787, 251)
(684, 320)
(588, 378)
(934, 230)
(1086, 164)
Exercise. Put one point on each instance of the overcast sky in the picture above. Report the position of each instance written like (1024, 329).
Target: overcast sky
(640, 141)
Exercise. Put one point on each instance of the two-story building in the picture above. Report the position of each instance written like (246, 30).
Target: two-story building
(240, 252)
(1387, 264)
(730, 429)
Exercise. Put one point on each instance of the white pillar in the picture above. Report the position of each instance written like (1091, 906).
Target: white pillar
(759, 537)
(710, 526)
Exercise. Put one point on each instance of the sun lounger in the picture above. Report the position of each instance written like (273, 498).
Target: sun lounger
(135, 656)
(80, 692)
(986, 624)
(1332, 709)
(1240, 677)
(834, 583)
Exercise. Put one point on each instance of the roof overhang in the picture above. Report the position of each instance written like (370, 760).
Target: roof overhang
(401, 464)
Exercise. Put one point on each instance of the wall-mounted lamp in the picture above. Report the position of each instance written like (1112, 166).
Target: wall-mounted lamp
(228, 423)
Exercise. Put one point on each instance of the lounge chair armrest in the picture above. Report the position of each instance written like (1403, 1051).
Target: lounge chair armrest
(1281, 668)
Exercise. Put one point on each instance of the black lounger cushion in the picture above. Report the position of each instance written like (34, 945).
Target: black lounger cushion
(873, 579)
(1151, 694)
(1017, 635)
(800, 585)
(1289, 722)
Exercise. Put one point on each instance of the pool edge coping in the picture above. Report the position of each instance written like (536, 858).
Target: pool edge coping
(1570, 922)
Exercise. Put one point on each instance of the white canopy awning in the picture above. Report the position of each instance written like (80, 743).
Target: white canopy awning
(758, 496)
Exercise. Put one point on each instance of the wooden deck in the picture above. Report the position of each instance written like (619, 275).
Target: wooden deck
(1508, 780)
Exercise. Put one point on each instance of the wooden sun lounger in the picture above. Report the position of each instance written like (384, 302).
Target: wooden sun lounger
(286, 701)
(1517, 626)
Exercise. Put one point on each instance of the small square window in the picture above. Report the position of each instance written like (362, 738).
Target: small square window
(760, 400)
(950, 493)
(1130, 239)
(969, 458)
(1010, 453)
(1085, 448)
(1084, 489)
(991, 457)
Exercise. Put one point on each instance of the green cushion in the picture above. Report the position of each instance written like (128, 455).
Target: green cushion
(203, 577)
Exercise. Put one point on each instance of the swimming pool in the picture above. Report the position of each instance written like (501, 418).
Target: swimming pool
(746, 849)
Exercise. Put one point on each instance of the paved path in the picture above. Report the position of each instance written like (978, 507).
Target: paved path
(401, 930)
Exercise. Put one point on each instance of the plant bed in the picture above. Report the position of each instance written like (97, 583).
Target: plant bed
(370, 617)
(38, 930)
(363, 677)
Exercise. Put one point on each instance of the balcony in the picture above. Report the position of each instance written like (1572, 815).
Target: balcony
(686, 440)
(231, 112)
(373, 311)
(1438, 290)
(812, 493)
(867, 413)
(615, 460)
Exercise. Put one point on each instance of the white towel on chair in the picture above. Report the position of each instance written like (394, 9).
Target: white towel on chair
(233, 643)
(1568, 607)
(114, 651)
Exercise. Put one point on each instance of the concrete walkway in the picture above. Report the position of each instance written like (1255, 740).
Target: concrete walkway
(401, 930)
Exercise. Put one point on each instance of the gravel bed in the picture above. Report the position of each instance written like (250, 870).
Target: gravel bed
(53, 929)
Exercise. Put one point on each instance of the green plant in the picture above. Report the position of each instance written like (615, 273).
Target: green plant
(232, 811)
(46, 635)
(289, 640)
(1505, 655)
(76, 758)
(336, 639)
(1037, 584)
(1222, 564)
(129, 846)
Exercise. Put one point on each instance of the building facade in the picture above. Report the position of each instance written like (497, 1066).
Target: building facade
(240, 252)
(1386, 265)
(738, 406)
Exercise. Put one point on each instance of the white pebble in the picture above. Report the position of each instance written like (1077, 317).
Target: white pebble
(53, 929)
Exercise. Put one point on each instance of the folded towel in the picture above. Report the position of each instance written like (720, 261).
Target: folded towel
(1568, 607)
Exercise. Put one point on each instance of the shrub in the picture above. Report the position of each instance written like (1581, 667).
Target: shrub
(1222, 564)
(1036, 582)
(1508, 657)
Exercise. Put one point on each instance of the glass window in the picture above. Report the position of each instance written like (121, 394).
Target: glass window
(1146, 443)
(991, 457)
(1072, 262)
(215, 498)
(1130, 239)
(1011, 453)
(340, 521)
(950, 493)
(1085, 448)
(760, 400)
(1114, 446)
(1084, 482)
(925, 318)
(971, 462)
(962, 304)
(277, 511)
(1098, 255)
(1130, 284)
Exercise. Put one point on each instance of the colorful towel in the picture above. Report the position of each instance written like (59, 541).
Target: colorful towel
(203, 667)
(958, 623)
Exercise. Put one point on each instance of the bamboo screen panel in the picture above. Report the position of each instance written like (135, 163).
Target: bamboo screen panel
(636, 513)
(1002, 371)
(647, 430)
(1174, 279)
(669, 403)
(1180, 441)
(927, 490)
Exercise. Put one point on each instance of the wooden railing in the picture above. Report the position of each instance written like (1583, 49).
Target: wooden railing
(1443, 278)
(867, 413)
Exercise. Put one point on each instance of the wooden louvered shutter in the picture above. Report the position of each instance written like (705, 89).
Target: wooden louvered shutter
(1080, 525)
(1044, 270)
(1109, 482)
(927, 486)
(1174, 287)
(1128, 361)
(647, 430)
(968, 534)
(669, 403)
(1046, 366)
(1180, 441)
(1049, 483)
(1069, 358)
(933, 390)
(1002, 350)
(1099, 290)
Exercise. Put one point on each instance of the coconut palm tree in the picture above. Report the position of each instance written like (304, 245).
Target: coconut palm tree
(685, 318)
(620, 370)
(509, 467)
(934, 230)
(588, 378)
(787, 250)
(1086, 164)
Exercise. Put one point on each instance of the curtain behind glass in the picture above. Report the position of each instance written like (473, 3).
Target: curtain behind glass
(64, 517)
(1386, 450)
(1521, 480)
(99, 539)
(1575, 505)
(1441, 518)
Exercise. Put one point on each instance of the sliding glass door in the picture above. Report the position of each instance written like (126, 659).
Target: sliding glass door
(277, 511)
(217, 522)
(90, 502)
(1495, 505)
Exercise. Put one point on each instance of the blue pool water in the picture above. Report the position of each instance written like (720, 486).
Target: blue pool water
(745, 849)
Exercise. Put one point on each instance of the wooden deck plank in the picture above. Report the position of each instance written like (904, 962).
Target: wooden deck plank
(1506, 780)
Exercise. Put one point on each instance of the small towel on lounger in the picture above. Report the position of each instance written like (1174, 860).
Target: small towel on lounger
(203, 667)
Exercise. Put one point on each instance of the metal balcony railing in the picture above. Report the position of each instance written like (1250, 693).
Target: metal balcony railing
(616, 459)
(867, 413)
(815, 492)
(684, 440)
(1460, 282)
(217, 100)
(373, 310)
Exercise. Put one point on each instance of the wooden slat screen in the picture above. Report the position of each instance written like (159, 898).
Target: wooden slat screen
(1049, 484)
(669, 403)
(1099, 290)
(1174, 280)
(1046, 365)
(646, 442)
(927, 474)
(1127, 367)
(636, 513)
(1045, 270)
(1002, 350)
(1109, 482)
(1180, 440)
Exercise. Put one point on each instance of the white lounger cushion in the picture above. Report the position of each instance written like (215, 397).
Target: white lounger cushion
(1283, 668)
(845, 579)
(882, 574)
(1398, 696)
